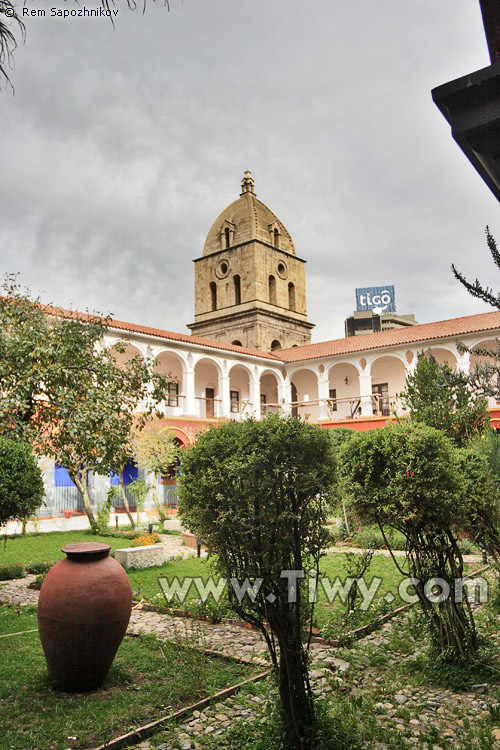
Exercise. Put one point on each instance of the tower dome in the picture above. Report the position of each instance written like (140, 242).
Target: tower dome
(249, 283)
(245, 220)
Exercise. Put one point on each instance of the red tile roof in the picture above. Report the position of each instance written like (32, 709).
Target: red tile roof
(452, 328)
(394, 337)
(160, 333)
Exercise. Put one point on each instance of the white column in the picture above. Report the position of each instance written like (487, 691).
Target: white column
(365, 392)
(225, 402)
(463, 362)
(188, 402)
(323, 394)
(285, 396)
(254, 407)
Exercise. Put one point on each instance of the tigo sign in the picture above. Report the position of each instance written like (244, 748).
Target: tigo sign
(380, 299)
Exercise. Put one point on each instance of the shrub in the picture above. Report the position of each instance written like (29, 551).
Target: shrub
(255, 492)
(39, 567)
(21, 484)
(410, 478)
(145, 540)
(9, 572)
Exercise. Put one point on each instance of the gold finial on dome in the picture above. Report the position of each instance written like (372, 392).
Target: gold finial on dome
(247, 183)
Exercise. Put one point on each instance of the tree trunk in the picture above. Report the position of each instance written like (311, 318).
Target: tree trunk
(293, 680)
(157, 503)
(125, 500)
(82, 486)
(296, 703)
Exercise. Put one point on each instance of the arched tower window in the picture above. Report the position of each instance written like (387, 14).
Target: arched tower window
(213, 294)
(276, 238)
(237, 290)
(272, 290)
(227, 233)
(291, 296)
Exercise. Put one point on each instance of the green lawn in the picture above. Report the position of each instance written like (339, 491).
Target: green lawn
(148, 679)
(47, 547)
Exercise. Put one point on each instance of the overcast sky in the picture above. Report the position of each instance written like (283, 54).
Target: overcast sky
(120, 148)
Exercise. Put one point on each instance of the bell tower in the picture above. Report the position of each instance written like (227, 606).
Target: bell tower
(249, 283)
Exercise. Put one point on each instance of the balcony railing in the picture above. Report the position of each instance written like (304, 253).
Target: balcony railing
(270, 409)
(207, 408)
(173, 406)
(350, 408)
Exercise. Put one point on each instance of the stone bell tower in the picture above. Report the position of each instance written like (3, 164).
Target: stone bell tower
(249, 283)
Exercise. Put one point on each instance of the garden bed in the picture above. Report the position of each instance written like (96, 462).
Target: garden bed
(149, 678)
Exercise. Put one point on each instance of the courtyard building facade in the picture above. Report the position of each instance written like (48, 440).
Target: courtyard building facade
(250, 352)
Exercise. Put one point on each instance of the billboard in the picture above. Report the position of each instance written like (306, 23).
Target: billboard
(380, 299)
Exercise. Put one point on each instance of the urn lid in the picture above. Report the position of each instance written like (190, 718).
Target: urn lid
(86, 550)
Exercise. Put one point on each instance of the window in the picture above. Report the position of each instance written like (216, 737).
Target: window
(381, 392)
(237, 290)
(236, 343)
(272, 290)
(213, 294)
(332, 393)
(291, 296)
(235, 401)
(227, 233)
(276, 238)
(172, 398)
(275, 345)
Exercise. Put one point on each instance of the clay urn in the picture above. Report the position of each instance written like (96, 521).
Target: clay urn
(83, 612)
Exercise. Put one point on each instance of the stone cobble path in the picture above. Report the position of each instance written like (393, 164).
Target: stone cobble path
(410, 711)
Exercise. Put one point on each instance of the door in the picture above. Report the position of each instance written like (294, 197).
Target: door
(210, 403)
(382, 390)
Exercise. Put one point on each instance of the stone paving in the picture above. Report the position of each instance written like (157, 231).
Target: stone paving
(413, 712)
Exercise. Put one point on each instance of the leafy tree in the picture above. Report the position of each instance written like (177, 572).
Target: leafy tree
(409, 477)
(255, 492)
(21, 484)
(484, 378)
(477, 289)
(64, 392)
(481, 472)
(156, 450)
(442, 398)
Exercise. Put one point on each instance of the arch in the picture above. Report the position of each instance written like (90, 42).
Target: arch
(291, 295)
(272, 290)
(388, 380)
(207, 372)
(213, 295)
(269, 398)
(343, 391)
(443, 354)
(305, 383)
(478, 359)
(171, 364)
(239, 390)
(243, 365)
(128, 353)
(237, 289)
(275, 345)
(236, 343)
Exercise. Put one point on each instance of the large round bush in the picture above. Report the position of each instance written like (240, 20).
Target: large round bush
(21, 484)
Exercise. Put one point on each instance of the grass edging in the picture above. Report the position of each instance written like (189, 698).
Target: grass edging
(137, 735)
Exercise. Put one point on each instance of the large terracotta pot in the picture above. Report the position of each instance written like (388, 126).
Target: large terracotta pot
(83, 613)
